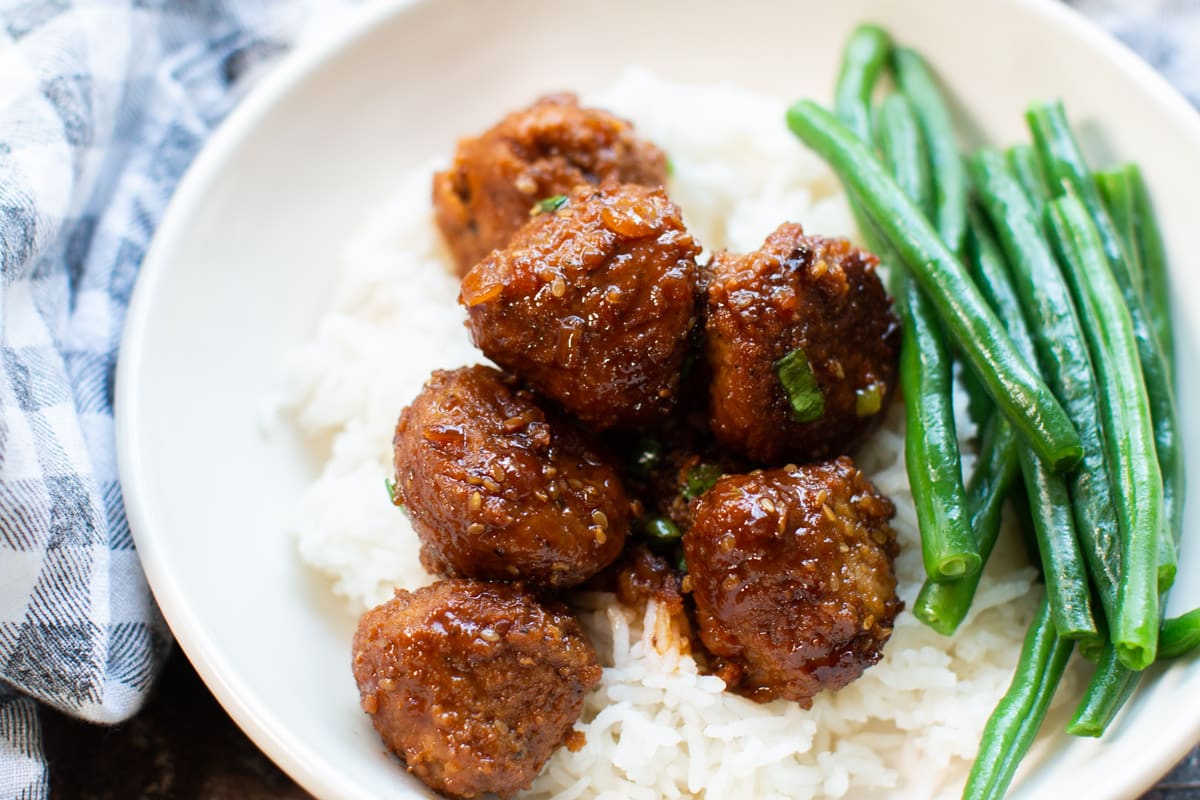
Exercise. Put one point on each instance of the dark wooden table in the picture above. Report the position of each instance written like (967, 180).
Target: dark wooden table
(183, 747)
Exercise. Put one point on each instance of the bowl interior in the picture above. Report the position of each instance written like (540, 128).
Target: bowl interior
(243, 263)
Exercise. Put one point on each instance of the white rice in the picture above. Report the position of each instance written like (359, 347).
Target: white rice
(656, 727)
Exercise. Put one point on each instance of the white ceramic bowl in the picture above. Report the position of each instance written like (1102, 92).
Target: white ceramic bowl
(243, 261)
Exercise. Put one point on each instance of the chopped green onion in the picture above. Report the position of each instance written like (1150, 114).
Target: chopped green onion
(645, 458)
(699, 480)
(800, 385)
(681, 564)
(868, 400)
(670, 167)
(391, 490)
(661, 529)
(548, 205)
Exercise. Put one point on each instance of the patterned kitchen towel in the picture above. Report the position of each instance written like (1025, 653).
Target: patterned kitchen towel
(103, 103)
(1164, 32)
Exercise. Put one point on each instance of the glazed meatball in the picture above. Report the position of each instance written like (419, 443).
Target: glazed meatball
(593, 304)
(473, 684)
(497, 489)
(791, 572)
(542, 151)
(822, 297)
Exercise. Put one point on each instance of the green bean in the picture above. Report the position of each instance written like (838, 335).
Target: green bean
(944, 605)
(1128, 202)
(1117, 197)
(1125, 420)
(944, 193)
(1023, 160)
(1112, 683)
(1127, 183)
(1109, 688)
(866, 53)
(1045, 299)
(949, 178)
(948, 545)
(1179, 635)
(1058, 547)
(863, 59)
(1014, 724)
(1049, 499)
(939, 495)
(903, 150)
(1064, 164)
(1015, 388)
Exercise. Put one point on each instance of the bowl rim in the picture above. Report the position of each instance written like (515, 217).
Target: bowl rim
(287, 749)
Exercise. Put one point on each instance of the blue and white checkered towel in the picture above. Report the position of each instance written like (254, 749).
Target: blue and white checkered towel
(103, 103)
(102, 107)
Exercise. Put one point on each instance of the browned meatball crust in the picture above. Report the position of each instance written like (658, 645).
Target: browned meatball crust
(592, 304)
(797, 291)
(791, 572)
(642, 575)
(496, 489)
(542, 151)
(473, 684)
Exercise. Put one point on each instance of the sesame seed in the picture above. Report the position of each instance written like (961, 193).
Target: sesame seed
(575, 483)
(475, 502)
(598, 532)
(491, 485)
(558, 287)
(489, 635)
(498, 473)
(767, 505)
(600, 518)
(475, 528)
